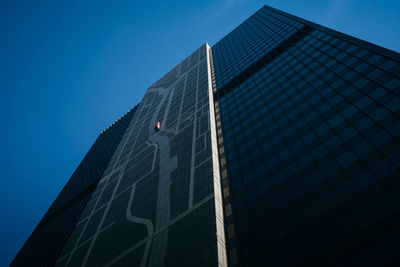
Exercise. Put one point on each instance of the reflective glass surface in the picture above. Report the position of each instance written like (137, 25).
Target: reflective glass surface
(310, 131)
(154, 205)
(49, 237)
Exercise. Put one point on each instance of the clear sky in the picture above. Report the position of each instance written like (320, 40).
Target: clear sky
(68, 69)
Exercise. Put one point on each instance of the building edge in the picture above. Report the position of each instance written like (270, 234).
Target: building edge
(365, 44)
(219, 214)
(41, 248)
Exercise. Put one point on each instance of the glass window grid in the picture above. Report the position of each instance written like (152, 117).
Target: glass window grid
(247, 57)
(339, 77)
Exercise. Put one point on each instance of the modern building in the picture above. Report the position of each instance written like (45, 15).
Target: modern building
(278, 146)
(48, 239)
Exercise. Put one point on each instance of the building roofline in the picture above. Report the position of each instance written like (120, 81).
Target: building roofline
(365, 44)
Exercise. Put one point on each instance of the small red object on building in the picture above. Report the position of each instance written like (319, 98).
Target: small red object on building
(157, 126)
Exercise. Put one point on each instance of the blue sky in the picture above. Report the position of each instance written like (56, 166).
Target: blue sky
(68, 69)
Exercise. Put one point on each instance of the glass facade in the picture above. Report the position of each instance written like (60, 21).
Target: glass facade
(155, 204)
(308, 127)
(278, 146)
(48, 239)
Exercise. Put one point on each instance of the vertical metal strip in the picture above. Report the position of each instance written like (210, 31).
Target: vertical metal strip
(222, 260)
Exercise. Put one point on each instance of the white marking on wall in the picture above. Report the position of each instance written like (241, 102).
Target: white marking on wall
(191, 181)
(146, 222)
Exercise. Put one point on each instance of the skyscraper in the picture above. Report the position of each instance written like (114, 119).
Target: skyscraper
(277, 146)
(48, 239)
